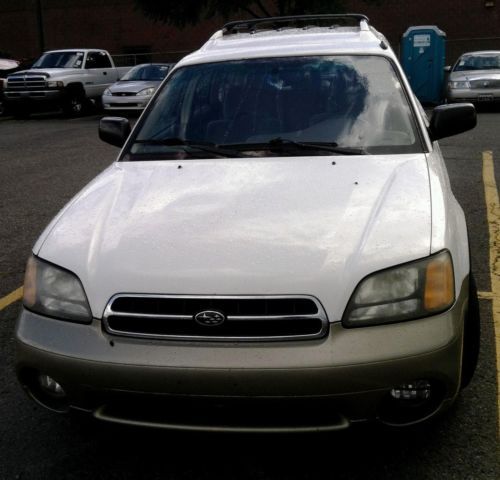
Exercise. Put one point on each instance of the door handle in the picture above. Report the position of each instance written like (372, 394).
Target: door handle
(104, 73)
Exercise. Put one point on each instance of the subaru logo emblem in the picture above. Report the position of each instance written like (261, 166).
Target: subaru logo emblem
(210, 318)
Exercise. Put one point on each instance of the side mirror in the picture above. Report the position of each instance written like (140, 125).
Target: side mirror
(448, 120)
(447, 69)
(114, 130)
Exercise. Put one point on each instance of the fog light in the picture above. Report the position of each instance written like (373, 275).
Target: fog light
(49, 385)
(417, 390)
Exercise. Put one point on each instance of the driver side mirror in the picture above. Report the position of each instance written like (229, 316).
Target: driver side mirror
(448, 120)
(114, 130)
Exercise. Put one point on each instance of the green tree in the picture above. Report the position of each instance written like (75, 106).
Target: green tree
(189, 12)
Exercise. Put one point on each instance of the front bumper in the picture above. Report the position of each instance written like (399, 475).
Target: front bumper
(132, 102)
(473, 95)
(34, 101)
(304, 385)
(34, 97)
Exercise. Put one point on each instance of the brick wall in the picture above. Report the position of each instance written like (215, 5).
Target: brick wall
(118, 27)
(468, 24)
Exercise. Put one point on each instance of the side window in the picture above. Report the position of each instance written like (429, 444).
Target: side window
(97, 60)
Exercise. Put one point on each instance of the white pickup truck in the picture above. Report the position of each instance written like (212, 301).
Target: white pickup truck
(68, 79)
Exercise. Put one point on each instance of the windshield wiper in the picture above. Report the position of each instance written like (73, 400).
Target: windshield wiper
(188, 144)
(321, 146)
(281, 144)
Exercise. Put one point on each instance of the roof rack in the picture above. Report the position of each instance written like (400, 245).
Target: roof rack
(279, 22)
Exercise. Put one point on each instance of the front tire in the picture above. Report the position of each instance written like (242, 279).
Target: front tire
(75, 105)
(472, 335)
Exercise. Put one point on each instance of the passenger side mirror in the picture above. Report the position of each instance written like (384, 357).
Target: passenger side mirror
(448, 120)
(447, 69)
(114, 130)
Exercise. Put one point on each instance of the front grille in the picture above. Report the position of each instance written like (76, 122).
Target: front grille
(246, 318)
(484, 83)
(123, 94)
(26, 83)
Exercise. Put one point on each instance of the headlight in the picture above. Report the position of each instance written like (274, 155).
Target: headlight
(107, 92)
(147, 92)
(460, 84)
(414, 290)
(55, 292)
(55, 84)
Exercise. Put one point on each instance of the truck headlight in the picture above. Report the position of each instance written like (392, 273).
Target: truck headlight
(54, 291)
(147, 92)
(459, 84)
(55, 84)
(406, 292)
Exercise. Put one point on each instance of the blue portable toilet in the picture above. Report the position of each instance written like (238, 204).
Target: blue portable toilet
(423, 53)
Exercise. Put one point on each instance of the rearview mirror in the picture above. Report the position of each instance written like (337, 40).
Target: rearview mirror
(114, 130)
(448, 120)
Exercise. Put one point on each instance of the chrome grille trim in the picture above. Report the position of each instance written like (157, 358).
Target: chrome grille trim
(484, 83)
(26, 82)
(320, 316)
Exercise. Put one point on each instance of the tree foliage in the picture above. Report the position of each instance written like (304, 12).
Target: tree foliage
(189, 12)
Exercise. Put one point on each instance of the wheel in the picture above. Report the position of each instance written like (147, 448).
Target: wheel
(472, 335)
(97, 105)
(75, 104)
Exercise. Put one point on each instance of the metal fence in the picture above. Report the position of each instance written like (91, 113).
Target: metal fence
(129, 59)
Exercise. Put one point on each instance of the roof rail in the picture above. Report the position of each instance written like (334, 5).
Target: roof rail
(280, 22)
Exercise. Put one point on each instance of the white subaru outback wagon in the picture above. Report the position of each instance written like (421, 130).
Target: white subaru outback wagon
(276, 248)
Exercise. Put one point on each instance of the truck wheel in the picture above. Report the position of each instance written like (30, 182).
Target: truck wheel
(75, 105)
(472, 335)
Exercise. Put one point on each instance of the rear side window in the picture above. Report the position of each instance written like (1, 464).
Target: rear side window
(352, 101)
(97, 60)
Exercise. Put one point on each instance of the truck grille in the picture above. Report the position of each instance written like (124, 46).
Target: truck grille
(243, 318)
(484, 83)
(26, 83)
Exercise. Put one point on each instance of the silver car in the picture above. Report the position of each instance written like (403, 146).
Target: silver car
(475, 78)
(134, 90)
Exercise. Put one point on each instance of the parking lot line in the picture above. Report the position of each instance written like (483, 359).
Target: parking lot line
(493, 211)
(11, 298)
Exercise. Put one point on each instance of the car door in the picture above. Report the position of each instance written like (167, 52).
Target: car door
(100, 73)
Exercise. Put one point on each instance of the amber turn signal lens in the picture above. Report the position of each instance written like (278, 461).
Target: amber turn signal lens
(439, 284)
(29, 296)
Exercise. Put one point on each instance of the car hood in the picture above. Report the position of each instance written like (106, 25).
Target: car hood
(300, 225)
(475, 75)
(51, 72)
(132, 86)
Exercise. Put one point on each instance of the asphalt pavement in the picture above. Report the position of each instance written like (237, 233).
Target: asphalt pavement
(44, 161)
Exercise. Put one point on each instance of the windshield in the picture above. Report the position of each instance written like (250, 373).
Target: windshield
(278, 105)
(60, 60)
(489, 61)
(146, 73)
